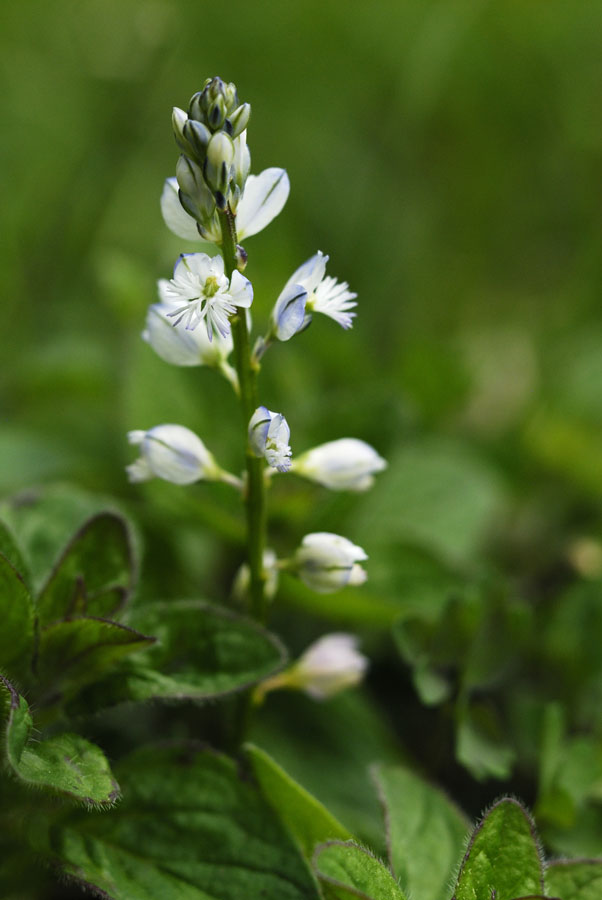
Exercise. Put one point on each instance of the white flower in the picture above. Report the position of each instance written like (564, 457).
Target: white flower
(199, 281)
(180, 346)
(173, 453)
(344, 465)
(263, 198)
(309, 290)
(328, 666)
(269, 435)
(326, 562)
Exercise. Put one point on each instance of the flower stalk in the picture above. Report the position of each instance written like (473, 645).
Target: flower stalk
(247, 369)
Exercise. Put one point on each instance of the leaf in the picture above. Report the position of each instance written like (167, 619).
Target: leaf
(16, 619)
(503, 857)
(188, 827)
(11, 550)
(305, 818)
(43, 521)
(202, 652)
(352, 871)
(328, 747)
(66, 764)
(425, 831)
(95, 573)
(77, 652)
(575, 879)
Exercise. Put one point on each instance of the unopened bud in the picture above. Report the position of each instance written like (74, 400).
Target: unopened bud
(242, 160)
(195, 196)
(198, 136)
(218, 167)
(241, 258)
(178, 121)
(238, 120)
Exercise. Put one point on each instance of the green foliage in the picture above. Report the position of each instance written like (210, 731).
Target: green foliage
(188, 827)
(349, 870)
(503, 857)
(574, 879)
(65, 764)
(201, 652)
(425, 831)
(16, 616)
(305, 818)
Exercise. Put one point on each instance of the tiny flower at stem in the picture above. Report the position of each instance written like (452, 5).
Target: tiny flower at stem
(173, 453)
(347, 464)
(269, 435)
(327, 562)
(328, 666)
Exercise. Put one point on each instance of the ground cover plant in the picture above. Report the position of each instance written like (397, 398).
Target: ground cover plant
(265, 671)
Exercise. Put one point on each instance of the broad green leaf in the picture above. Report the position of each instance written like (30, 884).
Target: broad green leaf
(480, 744)
(44, 520)
(574, 879)
(76, 652)
(352, 871)
(94, 574)
(16, 620)
(11, 550)
(425, 831)
(503, 858)
(305, 818)
(328, 748)
(202, 652)
(188, 827)
(450, 500)
(66, 764)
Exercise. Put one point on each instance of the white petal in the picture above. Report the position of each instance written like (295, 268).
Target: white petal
(288, 316)
(175, 217)
(310, 274)
(241, 290)
(264, 197)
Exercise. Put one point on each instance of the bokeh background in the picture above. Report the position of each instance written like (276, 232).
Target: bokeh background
(447, 155)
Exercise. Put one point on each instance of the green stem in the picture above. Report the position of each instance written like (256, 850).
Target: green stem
(247, 369)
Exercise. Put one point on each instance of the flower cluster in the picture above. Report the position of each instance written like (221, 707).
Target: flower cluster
(202, 312)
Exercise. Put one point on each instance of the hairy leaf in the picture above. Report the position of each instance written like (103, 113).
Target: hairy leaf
(94, 574)
(305, 817)
(76, 652)
(425, 831)
(188, 827)
(352, 871)
(575, 879)
(66, 764)
(502, 859)
(16, 620)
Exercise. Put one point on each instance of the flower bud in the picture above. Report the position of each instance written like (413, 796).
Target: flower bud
(198, 136)
(236, 123)
(344, 465)
(218, 167)
(179, 120)
(173, 453)
(326, 562)
(195, 196)
(328, 666)
(269, 435)
(242, 160)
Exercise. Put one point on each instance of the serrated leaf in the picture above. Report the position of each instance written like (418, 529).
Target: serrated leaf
(425, 831)
(16, 620)
(202, 652)
(66, 764)
(94, 574)
(74, 653)
(352, 871)
(575, 879)
(305, 818)
(502, 859)
(188, 827)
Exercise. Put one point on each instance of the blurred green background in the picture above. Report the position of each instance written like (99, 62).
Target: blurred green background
(447, 155)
